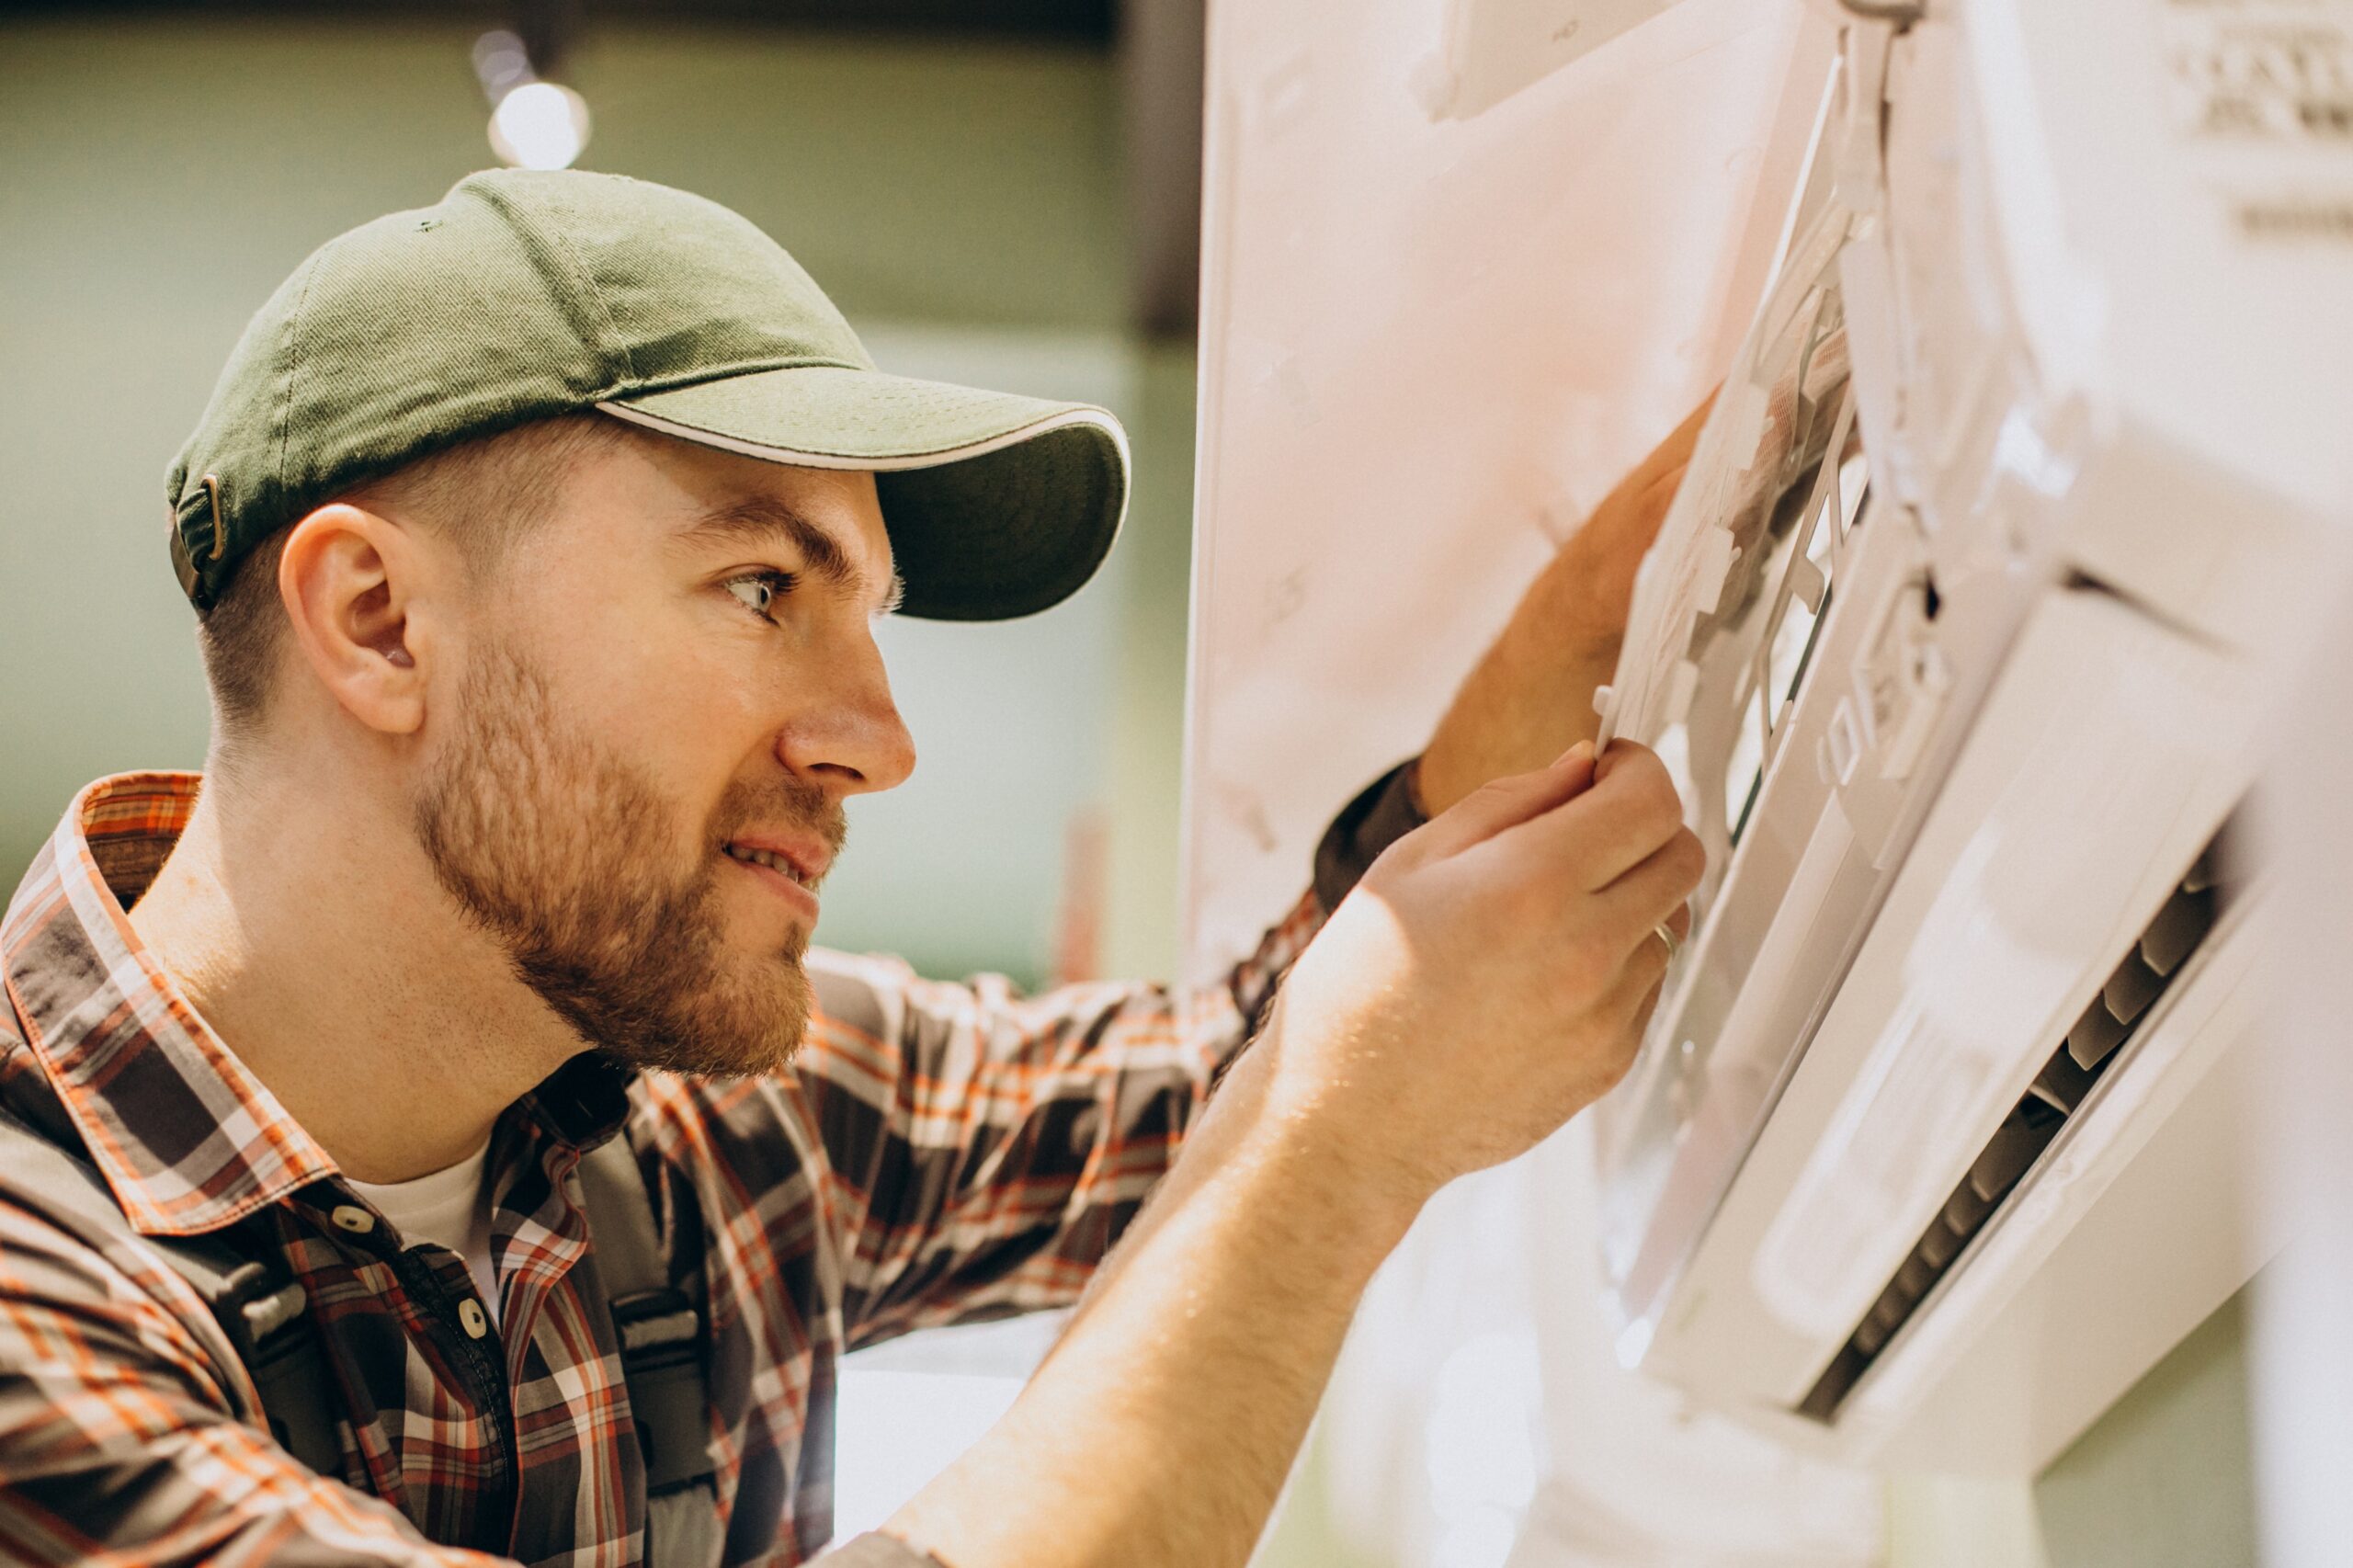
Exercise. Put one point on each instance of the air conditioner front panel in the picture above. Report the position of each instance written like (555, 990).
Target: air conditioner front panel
(2087, 783)
(2033, 693)
(1769, 952)
(2137, 1220)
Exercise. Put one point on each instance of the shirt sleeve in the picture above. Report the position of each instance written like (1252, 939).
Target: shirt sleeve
(1384, 812)
(984, 1149)
(120, 1442)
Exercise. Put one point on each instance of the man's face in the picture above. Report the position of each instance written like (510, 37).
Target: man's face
(658, 704)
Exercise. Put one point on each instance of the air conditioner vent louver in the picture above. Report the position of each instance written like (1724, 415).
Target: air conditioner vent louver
(2146, 972)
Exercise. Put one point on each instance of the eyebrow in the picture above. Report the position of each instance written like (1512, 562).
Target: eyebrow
(766, 519)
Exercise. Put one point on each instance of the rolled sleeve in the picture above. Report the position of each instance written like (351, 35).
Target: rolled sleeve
(983, 1150)
(1385, 813)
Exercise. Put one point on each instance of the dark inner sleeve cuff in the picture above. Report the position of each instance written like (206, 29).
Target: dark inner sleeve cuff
(1376, 819)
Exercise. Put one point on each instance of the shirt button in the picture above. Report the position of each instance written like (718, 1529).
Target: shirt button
(471, 1319)
(357, 1221)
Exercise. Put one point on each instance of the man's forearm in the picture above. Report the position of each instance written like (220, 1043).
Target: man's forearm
(1159, 1431)
(1531, 697)
(1528, 701)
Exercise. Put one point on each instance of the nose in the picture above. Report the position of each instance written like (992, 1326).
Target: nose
(852, 740)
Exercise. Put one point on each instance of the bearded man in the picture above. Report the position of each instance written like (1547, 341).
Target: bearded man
(430, 1138)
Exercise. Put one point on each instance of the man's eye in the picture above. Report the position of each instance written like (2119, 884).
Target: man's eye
(759, 591)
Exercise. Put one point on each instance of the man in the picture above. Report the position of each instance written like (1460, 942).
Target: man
(537, 539)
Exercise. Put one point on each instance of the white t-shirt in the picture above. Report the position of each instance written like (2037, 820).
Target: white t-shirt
(449, 1208)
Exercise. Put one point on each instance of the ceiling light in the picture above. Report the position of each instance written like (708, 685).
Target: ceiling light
(540, 125)
(534, 124)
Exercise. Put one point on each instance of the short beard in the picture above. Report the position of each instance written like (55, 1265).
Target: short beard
(561, 852)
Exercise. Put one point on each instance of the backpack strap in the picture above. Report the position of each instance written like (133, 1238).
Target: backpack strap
(661, 1329)
(261, 1310)
(254, 1296)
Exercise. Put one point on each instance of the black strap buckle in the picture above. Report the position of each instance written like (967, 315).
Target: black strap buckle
(661, 1337)
(261, 1310)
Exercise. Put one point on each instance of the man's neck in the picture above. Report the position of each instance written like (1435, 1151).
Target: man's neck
(315, 941)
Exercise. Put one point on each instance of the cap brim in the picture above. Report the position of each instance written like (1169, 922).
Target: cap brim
(997, 505)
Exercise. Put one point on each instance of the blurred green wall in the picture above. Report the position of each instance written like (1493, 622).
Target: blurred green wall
(2166, 1478)
(962, 203)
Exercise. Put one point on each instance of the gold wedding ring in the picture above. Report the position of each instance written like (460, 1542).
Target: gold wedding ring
(1666, 933)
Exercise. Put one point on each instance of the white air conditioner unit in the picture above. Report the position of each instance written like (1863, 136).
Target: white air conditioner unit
(1963, 637)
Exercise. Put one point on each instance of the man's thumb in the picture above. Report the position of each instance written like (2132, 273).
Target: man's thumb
(1505, 802)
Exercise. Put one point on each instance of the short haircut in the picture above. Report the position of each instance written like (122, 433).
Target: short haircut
(485, 492)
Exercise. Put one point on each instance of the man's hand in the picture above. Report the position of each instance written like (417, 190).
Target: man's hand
(1531, 697)
(1493, 972)
(1488, 977)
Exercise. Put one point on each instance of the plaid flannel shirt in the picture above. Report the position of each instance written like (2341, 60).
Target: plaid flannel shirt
(936, 1153)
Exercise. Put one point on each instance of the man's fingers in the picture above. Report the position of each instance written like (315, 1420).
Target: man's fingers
(1652, 893)
(1505, 803)
(1661, 487)
(1685, 435)
(1640, 902)
(1635, 990)
(1621, 821)
(1640, 1023)
(1647, 514)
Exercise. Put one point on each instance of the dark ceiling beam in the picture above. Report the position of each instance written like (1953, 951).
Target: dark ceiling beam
(1073, 21)
(1160, 46)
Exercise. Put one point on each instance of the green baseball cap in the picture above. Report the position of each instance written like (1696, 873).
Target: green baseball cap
(527, 295)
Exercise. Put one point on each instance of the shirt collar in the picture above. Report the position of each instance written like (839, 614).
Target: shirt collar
(189, 1139)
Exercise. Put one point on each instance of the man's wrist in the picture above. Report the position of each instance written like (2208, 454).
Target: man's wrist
(1356, 1182)
(1351, 1204)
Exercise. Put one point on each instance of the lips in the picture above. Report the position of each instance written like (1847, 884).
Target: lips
(801, 866)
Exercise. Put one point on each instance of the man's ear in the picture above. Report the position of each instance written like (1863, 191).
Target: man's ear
(349, 579)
